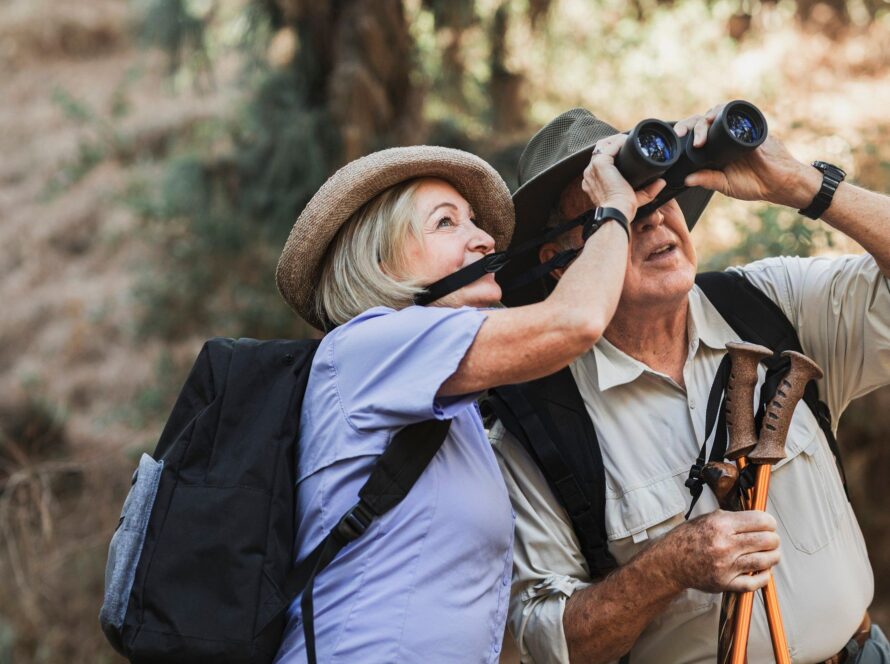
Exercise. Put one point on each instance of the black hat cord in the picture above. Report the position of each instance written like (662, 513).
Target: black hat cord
(496, 261)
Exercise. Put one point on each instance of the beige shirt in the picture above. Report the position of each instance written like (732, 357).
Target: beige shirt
(650, 430)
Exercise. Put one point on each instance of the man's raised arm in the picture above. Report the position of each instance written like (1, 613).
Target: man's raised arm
(770, 173)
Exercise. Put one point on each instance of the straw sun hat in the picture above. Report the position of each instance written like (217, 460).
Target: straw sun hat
(345, 192)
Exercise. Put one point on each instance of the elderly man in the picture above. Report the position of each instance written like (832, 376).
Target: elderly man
(645, 388)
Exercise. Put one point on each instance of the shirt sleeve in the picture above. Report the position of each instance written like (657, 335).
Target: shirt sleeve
(389, 365)
(548, 566)
(840, 308)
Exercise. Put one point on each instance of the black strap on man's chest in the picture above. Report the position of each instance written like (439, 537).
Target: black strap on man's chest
(549, 418)
(757, 319)
(544, 414)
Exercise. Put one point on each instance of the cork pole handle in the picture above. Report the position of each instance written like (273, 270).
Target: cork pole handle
(771, 447)
(740, 396)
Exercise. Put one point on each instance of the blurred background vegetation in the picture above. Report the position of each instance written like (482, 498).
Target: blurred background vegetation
(156, 153)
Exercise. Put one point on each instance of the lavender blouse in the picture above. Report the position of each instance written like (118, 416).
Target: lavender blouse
(430, 580)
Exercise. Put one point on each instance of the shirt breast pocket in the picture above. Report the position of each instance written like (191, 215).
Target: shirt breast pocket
(805, 490)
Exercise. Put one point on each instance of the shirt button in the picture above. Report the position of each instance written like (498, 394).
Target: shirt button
(506, 580)
(692, 404)
(497, 648)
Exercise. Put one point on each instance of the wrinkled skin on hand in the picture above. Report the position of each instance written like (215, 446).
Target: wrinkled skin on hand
(769, 173)
(718, 552)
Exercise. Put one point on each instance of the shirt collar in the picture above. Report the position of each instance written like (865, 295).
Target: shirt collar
(704, 325)
(712, 330)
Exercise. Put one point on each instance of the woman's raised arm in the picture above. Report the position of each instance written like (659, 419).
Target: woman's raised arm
(524, 343)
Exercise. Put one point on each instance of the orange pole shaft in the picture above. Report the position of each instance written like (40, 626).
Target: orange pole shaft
(771, 600)
(776, 628)
(742, 626)
(747, 497)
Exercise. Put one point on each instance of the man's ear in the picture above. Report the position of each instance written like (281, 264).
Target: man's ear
(547, 251)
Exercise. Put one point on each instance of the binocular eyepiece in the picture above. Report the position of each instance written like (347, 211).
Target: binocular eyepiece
(653, 150)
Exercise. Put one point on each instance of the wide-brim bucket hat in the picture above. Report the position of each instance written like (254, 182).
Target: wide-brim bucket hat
(554, 157)
(346, 191)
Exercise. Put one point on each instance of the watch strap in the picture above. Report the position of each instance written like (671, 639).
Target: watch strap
(832, 176)
(601, 216)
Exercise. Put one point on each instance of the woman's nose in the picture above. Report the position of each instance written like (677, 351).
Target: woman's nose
(481, 241)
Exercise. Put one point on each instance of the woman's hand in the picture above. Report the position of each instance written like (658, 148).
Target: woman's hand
(606, 187)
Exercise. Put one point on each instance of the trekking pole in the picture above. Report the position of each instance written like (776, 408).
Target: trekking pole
(743, 438)
(723, 480)
(770, 450)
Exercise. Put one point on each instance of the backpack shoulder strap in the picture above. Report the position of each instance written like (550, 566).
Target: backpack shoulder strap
(748, 310)
(577, 479)
(758, 319)
(391, 479)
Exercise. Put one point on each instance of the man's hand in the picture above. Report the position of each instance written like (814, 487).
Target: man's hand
(606, 187)
(769, 173)
(720, 551)
(713, 553)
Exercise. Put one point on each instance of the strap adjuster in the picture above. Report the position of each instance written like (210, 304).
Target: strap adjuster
(694, 481)
(494, 262)
(353, 524)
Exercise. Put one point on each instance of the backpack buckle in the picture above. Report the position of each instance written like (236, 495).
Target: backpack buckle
(354, 523)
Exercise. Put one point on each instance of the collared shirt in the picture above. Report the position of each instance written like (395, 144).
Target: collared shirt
(650, 430)
(430, 579)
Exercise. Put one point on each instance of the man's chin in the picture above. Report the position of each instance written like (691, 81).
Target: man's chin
(665, 289)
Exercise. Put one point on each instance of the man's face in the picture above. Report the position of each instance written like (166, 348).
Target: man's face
(661, 263)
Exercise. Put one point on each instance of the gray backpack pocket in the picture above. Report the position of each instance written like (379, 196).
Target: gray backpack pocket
(126, 546)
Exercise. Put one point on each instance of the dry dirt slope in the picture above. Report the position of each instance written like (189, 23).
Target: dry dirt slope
(68, 248)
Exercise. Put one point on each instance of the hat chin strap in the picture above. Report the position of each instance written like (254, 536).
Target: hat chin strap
(494, 262)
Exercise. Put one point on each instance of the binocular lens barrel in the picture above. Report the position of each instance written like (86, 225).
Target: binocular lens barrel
(739, 128)
(651, 148)
(742, 127)
(654, 146)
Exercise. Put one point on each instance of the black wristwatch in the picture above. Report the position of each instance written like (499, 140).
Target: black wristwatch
(832, 176)
(601, 216)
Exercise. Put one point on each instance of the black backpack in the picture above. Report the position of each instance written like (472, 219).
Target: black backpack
(550, 420)
(200, 567)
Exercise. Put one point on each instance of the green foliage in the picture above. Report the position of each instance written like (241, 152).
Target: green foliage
(102, 138)
(777, 232)
(222, 221)
(283, 154)
(91, 150)
(172, 27)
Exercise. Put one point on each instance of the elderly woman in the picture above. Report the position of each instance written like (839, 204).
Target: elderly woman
(430, 579)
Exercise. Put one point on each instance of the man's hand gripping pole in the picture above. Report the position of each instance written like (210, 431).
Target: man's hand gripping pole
(770, 449)
(745, 359)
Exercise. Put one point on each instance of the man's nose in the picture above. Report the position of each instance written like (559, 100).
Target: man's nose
(650, 222)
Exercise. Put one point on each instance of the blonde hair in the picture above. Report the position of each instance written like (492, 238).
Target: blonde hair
(365, 263)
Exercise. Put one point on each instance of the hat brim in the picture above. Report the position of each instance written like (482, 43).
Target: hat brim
(300, 265)
(533, 202)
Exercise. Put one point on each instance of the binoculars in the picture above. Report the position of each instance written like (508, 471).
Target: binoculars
(653, 150)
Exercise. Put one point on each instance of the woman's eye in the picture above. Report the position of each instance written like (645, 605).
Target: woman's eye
(444, 222)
